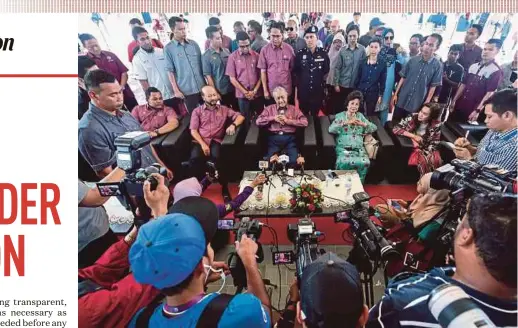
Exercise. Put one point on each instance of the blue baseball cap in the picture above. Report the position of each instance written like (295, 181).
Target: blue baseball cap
(375, 22)
(331, 292)
(167, 250)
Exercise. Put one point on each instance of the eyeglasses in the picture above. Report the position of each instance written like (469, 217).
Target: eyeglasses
(290, 29)
(389, 38)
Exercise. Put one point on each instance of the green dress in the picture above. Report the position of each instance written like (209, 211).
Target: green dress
(350, 152)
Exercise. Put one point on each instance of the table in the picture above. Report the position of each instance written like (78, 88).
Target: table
(269, 208)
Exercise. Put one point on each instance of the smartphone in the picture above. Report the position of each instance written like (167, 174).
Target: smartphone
(395, 204)
(334, 175)
(292, 183)
(226, 224)
(286, 257)
(320, 175)
(109, 189)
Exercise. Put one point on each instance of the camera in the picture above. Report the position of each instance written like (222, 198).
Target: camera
(131, 188)
(367, 235)
(304, 237)
(253, 230)
(472, 178)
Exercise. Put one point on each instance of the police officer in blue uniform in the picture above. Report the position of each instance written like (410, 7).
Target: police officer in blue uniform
(311, 69)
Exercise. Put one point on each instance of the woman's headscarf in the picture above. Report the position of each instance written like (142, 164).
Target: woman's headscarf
(333, 56)
(387, 54)
(428, 203)
(186, 188)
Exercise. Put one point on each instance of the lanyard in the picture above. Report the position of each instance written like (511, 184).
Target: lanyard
(173, 310)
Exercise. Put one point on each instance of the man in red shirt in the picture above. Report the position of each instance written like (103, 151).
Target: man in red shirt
(227, 42)
(207, 126)
(134, 44)
(154, 116)
(109, 62)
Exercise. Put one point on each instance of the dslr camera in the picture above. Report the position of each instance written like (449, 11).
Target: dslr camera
(130, 188)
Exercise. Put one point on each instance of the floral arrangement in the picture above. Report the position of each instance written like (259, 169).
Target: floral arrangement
(306, 199)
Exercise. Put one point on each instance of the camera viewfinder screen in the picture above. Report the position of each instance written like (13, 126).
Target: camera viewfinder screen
(282, 258)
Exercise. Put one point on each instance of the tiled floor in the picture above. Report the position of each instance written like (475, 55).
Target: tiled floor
(287, 274)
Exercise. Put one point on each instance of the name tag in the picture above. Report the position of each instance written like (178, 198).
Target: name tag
(319, 59)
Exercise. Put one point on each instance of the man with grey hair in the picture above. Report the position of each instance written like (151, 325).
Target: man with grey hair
(282, 121)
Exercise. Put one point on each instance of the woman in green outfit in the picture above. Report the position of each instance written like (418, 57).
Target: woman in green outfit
(350, 128)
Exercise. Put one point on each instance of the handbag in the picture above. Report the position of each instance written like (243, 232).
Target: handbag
(371, 146)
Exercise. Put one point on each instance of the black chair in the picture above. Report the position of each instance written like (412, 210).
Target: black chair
(476, 132)
(256, 145)
(400, 171)
(378, 166)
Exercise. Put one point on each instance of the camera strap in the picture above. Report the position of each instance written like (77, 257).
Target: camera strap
(209, 317)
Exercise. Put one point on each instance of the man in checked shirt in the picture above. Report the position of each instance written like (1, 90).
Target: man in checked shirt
(282, 121)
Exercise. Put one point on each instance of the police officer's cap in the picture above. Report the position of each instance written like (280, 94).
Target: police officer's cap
(311, 29)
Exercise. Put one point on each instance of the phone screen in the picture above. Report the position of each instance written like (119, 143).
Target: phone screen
(282, 257)
(395, 204)
(225, 224)
(109, 189)
(292, 183)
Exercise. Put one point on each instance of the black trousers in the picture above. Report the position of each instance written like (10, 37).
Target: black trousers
(230, 100)
(93, 251)
(337, 100)
(399, 114)
(199, 163)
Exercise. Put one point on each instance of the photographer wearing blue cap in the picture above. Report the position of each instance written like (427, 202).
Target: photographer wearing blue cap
(331, 296)
(173, 254)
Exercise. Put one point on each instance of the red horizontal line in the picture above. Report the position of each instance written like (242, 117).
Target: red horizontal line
(37, 75)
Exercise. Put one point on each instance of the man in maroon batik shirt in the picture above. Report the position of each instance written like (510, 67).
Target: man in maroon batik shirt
(109, 62)
(282, 120)
(276, 62)
(155, 117)
(207, 126)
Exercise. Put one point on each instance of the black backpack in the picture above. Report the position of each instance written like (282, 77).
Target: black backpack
(209, 317)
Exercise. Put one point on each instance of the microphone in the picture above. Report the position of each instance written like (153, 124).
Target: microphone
(284, 159)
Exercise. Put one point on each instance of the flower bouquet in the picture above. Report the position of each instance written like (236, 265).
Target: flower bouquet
(306, 199)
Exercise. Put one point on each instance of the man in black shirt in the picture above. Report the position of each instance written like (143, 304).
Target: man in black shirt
(452, 75)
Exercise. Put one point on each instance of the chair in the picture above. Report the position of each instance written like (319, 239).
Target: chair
(256, 143)
(476, 132)
(401, 172)
(378, 166)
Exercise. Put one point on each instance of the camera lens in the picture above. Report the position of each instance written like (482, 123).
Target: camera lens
(452, 307)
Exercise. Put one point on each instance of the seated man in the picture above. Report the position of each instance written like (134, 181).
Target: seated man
(208, 129)
(155, 117)
(282, 121)
(485, 255)
(498, 147)
(104, 122)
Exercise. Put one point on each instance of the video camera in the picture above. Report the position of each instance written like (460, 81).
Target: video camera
(304, 237)
(253, 230)
(472, 178)
(131, 187)
(367, 235)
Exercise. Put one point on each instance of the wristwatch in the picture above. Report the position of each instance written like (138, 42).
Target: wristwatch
(234, 124)
(156, 131)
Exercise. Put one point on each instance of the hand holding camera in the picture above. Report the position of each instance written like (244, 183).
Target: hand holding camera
(157, 198)
(247, 250)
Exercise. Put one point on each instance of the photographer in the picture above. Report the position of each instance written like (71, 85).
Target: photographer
(323, 283)
(485, 253)
(108, 296)
(94, 233)
(191, 187)
(498, 147)
(173, 253)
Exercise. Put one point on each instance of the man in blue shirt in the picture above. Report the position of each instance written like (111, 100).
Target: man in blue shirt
(498, 147)
(485, 255)
(104, 122)
(173, 254)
